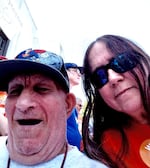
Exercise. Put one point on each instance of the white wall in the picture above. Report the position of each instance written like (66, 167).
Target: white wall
(18, 25)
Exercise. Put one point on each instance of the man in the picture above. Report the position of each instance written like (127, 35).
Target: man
(3, 119)
(78, 104)
(73, 134)
(3, 125)
(37, 105)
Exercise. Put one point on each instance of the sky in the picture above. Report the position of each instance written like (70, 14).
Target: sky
(74, 24)
(67, 27)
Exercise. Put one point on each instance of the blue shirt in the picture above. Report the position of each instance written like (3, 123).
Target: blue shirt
(73, 134)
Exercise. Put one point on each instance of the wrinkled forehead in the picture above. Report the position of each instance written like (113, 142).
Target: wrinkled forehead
(99, 55)
(30, 77)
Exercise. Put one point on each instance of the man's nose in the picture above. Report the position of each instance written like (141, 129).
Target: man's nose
(25, 101)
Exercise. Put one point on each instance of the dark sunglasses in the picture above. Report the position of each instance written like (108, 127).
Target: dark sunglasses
(120, 64)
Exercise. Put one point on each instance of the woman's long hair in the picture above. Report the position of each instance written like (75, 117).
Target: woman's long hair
(104, 117)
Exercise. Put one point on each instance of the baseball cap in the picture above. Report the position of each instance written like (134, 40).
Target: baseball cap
(73, 65)
(34, 61)
(2, 57)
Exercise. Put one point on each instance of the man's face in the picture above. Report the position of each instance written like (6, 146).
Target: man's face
(37, 110)
(74, 76)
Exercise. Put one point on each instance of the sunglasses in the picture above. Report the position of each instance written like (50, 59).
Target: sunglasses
(120, 64)
(76, 70)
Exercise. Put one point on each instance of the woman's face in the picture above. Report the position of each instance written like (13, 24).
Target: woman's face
(121, 92)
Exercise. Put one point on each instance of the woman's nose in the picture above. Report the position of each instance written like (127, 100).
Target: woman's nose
(114, 77)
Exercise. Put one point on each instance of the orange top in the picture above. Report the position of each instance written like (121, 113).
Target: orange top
(2, 102)
(138, 136)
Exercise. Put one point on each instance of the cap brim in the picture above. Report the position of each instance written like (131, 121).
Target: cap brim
(11, 68)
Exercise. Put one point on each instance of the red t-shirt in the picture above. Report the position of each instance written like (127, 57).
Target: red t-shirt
(138, 136)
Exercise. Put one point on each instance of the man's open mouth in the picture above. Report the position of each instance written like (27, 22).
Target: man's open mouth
(29, 121)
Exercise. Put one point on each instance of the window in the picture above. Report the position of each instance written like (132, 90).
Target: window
(4, 41)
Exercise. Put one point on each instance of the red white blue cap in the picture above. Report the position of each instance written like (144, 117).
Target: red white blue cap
(34, 61)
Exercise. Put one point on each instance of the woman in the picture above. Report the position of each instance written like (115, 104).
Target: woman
(116, 82)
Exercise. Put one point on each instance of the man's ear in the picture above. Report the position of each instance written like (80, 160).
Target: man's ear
(71, 102)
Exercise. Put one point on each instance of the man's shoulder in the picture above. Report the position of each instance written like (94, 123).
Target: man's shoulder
(75, 156)
(3, 151)
(3, 140)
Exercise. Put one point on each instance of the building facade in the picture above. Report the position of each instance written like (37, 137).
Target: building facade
(18, 30)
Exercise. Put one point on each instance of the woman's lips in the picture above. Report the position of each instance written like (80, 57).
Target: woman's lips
(121, 92)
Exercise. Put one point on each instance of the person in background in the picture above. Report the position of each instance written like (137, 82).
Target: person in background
(37, 105)
(117, 86)
(78, 104)
(3, 125)
(3, 119)
(73, 134)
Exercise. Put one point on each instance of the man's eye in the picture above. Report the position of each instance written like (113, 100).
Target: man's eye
(16, 91)
(41, 89)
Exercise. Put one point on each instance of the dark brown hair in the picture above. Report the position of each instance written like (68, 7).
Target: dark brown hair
(104, 117)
